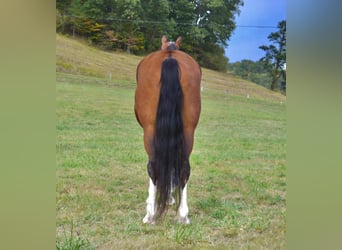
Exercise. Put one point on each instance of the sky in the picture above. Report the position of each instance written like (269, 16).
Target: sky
(244, 42)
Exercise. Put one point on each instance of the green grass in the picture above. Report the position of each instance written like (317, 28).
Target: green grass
(237, 187)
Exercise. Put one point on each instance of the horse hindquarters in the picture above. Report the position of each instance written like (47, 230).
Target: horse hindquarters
(169, 117)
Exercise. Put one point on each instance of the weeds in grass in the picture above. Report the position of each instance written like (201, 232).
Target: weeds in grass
(186, 234)
(72, 241)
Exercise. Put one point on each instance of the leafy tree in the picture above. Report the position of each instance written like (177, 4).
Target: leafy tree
(155, 22)
(76, 16)
(212, 57)
(128, 35)
(214, 26)
(275, 57)
(216, 18)
(182, 21)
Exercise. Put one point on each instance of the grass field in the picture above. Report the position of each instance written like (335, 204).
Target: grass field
(237, 187)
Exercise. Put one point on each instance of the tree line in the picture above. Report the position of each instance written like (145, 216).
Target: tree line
(137, 26)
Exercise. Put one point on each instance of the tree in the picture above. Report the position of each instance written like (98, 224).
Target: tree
(214, 26)
(155, 22)
(216, 18)
(275, 57)
(182, 19)
(128, 34)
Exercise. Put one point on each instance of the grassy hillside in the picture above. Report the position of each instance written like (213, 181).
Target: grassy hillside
(76, 57)
(237, 188)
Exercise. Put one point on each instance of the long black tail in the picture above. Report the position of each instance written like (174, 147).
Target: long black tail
(169, 146)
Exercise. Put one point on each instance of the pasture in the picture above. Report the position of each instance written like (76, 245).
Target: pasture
(237, 186)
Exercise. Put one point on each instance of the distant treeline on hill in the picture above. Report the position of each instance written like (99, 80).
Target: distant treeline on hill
(137, 26)
(257, 72)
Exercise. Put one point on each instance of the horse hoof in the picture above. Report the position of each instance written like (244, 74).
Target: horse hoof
(184, 220)
(148, 220)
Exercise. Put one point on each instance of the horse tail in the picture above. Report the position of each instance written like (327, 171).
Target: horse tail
(169, 146)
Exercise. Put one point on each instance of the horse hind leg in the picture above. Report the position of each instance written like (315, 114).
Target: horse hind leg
(150, 204)
(183, 209)
(151, 200)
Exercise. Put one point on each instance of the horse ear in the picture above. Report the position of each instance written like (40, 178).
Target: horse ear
(164, 42)
(178, 42)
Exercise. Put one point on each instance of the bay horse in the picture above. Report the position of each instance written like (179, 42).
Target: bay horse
(167, 107)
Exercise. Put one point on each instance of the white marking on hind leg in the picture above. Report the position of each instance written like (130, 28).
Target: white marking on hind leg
(150, 207)
(183, 210)
(172, 200)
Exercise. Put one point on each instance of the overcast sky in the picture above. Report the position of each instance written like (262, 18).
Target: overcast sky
(245, 41)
